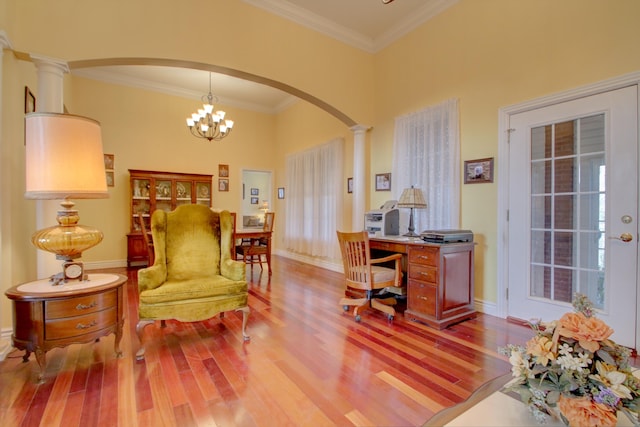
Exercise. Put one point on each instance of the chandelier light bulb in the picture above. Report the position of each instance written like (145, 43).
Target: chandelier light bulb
(208, 124)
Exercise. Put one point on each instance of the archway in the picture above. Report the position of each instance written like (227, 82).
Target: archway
(349, 122)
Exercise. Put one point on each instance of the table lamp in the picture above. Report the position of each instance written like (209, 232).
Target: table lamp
(414, 199)
(64, 160)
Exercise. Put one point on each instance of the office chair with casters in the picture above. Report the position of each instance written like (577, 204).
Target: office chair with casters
(362, 273)
(193, 277)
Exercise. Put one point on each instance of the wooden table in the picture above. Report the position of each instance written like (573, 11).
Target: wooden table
(46, 316)
(254, 234)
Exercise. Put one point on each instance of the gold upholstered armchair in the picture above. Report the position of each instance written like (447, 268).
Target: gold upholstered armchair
(193, 277)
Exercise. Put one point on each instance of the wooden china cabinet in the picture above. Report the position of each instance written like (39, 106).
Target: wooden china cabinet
(151, 190)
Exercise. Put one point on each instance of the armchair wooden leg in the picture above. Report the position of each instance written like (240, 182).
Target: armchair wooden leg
(139, 329)
(245, 316)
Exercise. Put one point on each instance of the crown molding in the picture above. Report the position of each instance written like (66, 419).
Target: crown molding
(346, 35)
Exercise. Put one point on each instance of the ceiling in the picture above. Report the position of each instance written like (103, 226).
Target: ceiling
(368, 25)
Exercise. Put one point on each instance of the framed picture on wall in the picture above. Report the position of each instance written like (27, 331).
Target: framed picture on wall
(255, 191)
(254, 200)
(223, 171)
(349, 185)
(223, 184)
(478, 171)
(281, 193)
(383, 182)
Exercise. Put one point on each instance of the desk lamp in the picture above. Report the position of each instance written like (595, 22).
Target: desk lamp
(414, 199)
(64, 160)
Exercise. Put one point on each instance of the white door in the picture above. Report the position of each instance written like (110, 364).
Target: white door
(573, 206)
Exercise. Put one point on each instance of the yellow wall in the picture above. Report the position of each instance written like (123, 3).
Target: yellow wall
(488, 54)
(491, 54)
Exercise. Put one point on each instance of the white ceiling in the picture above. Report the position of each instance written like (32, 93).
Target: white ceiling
(369, 25)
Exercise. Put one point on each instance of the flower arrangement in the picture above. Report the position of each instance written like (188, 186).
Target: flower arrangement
(571, 369)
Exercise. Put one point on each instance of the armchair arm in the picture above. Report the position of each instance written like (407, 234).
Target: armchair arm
(233, 270)
(398, 266)
(151, 277)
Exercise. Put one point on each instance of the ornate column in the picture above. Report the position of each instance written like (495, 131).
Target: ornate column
(359, 176)
(50, 100)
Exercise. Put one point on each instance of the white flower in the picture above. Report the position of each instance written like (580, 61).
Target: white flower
(519, 365)
(612, 378)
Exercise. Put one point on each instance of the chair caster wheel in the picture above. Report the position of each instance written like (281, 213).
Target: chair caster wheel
(390, 317)
(358, 318)
(345, 307)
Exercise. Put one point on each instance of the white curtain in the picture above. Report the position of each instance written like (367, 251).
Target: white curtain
(314, 200)
(426, 154)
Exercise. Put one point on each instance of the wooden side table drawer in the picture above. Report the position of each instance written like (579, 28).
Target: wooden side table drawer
(58, 309)
(80, 325)
(425, 255)
(423, 273)
(421, 297)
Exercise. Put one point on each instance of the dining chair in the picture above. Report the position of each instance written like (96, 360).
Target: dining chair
(252, 252)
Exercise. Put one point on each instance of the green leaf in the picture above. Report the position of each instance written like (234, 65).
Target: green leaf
(606, 357)
(553, 397)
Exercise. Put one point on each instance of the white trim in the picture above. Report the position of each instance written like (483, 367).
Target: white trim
(349, 36)
(504, 115)
(5, 343)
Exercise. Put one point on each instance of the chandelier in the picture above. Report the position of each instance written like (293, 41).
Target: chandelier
(209, 124)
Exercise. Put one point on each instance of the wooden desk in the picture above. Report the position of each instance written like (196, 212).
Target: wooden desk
(254, 234)
(439, 279)
(46, 316)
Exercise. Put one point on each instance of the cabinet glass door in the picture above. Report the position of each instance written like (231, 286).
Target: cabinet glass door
(203, 193)
(163, 195)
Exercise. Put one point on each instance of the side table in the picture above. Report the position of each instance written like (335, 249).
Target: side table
(46, 316)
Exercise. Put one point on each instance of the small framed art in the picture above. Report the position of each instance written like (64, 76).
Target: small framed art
(255, 191)
(223, 184)
(281, 193)
(478, 171)
(223, 171)
(383, 182)
(254, 200)
(109, 163)
(349, 185)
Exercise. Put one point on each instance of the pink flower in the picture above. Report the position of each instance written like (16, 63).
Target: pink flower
(583, 412)
(589, 331)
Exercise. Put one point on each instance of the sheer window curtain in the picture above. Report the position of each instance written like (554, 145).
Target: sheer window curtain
(314, 200)
(426, 154)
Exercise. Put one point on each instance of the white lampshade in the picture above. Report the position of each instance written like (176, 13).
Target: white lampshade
(64, 160)
(64, 157)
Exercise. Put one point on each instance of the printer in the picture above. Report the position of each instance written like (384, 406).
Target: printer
(447, 236)
(384, 221)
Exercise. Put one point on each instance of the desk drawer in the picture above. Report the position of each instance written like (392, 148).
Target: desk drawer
(421, 297)
(424, 255)
(424, 273)
(58, 309)
(400, 248)
(80, 325)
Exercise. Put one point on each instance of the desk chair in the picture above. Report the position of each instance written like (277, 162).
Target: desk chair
(251, 251)
(362, 273)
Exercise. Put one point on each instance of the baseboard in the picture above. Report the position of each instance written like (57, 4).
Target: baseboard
(5, 343)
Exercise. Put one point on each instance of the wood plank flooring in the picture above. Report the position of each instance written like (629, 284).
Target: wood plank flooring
(307, 364)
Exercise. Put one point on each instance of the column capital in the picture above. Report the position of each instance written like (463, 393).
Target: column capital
(42, 61)
(357, 129)
(5, 43)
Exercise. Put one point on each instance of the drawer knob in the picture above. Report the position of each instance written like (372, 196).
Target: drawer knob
(81, 326)
(423, 297)
(424, 257)
(422, 273)
(85, 306)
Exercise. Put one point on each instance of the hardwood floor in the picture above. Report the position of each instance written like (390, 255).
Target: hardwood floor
(307, 364)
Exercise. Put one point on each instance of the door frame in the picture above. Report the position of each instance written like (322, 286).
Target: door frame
(504, 115)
